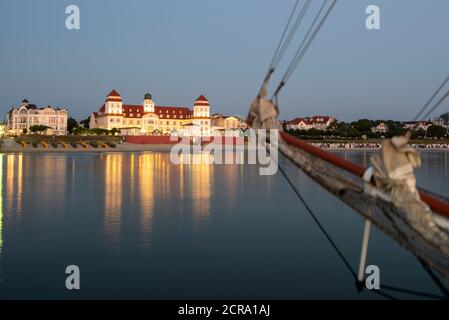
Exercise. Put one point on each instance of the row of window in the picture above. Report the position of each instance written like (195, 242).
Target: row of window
(150, 122)
(25, 126)
(38, 120)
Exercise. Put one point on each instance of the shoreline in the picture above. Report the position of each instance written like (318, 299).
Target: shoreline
(125, 147)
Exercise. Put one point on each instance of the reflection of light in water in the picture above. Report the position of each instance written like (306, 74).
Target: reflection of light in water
(131, 175)
(52, 182)
(230, 176)
(1, 206)
(147, 163)
(112, 197)
(19, 182)
(10, 160)
(14, 186)
(201, 171)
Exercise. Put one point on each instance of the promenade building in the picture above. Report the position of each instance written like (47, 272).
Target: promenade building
(417, 125)
(148, 118)
(20, 119)
(233, 125)
(316, 122)
(380, 128)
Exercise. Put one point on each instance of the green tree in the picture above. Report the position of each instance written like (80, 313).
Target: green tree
(71, 124)
(395, 128)
(99, 131)
(363, 126)
(85, 123)
(420, 133)
(79, 131)
(436, 131)
(38, 128)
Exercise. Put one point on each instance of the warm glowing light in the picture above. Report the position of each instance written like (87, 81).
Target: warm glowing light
(112, 197)
(201, 187)
(147, 162)
(1, 204)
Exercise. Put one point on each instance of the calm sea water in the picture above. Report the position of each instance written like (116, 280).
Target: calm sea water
(139, 226)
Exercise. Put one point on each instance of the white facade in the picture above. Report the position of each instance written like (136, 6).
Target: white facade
(147, 118)
(20, 119)
(315, 122)
(381, 128)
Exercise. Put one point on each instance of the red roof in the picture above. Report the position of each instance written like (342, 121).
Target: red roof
(113, 93)
(320, 119)
(201, 101)
(132, 111)
(298, 120)
(165, 112)
(312, 120)
(201, 98)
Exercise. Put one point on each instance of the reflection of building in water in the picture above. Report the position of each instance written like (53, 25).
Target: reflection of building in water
(201, 186)
(231, 175)
(14, 186)
(1, 205)
(112, 197)
(146, 170)
(52, 182)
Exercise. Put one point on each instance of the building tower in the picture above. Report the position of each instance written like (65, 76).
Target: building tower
(201, 108)
(113, 104)
(148, 103)
(24, 103)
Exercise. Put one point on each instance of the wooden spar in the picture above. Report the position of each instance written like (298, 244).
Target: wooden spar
(438, 206)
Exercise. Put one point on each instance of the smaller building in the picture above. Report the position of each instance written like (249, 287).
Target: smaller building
(315, 122)
(380, 128)
(299, 124)
(2, 129)
(416, 125)
(438, 121)
(445, 117)
(20, 119)
(230, 125)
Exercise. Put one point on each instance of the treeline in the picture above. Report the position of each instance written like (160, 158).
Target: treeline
(82, 128)
(362, 129)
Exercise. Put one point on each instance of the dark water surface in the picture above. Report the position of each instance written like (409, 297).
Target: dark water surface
(139, 226)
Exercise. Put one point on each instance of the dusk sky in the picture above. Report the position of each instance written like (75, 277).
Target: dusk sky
(177, 50)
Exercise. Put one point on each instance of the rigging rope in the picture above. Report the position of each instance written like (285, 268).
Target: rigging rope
(431, 98)
(301, 51)
(348, 265)
(314, 217)
(437, 104)
(282, 46)
(308, 39)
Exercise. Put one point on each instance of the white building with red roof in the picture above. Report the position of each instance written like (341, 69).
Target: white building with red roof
(148, 118)
(316, 122)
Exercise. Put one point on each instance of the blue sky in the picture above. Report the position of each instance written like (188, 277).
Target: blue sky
(178, 50)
